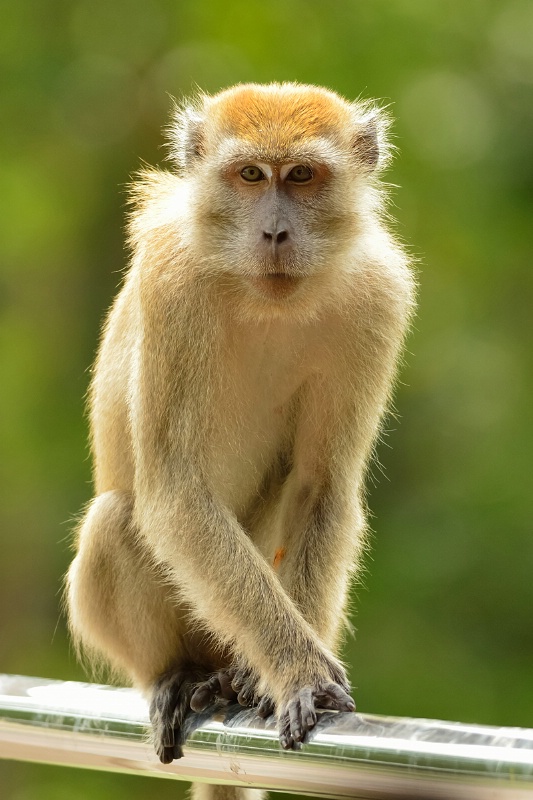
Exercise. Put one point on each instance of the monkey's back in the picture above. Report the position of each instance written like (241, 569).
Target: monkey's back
(108, 397)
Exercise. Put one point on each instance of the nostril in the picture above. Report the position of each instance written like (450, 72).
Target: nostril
(277, 237)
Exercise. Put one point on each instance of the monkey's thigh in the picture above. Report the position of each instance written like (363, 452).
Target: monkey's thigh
(120, 603)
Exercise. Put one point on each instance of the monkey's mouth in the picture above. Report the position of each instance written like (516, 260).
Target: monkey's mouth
(277, 284)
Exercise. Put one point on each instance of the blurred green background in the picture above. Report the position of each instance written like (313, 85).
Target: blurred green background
(444, 618)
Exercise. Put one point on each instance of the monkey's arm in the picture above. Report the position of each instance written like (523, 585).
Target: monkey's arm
(323, 520)
(321, 523)
(209, 558)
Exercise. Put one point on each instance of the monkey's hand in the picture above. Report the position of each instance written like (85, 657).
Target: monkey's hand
(237, 682)
(297, 713)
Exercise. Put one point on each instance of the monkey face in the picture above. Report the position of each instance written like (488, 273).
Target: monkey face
(278, 226)
(281, 176)
(276, 236)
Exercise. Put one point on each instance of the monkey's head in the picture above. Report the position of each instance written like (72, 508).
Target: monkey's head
(282, 186)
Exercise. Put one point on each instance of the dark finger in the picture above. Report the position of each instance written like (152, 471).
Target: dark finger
(340, 699)
(266, 707)
(246, 695)
(285, 737)
(240, 678)
(295, 720)
(226, 689)
(308, 713)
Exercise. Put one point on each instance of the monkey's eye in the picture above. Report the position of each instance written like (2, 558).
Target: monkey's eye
(300, 174)
(252, 174)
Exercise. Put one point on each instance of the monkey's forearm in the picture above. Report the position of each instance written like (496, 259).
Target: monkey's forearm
(223, 566)
(323, 542)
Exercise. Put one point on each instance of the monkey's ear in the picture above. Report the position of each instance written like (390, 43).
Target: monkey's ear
(366, 145)
(186, 134)
(370, 143)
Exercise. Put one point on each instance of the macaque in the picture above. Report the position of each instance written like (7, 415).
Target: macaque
(242, 378)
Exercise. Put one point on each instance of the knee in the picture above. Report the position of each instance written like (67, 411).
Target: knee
(90, 579)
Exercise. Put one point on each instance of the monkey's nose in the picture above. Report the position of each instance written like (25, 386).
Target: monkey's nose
(277, 237)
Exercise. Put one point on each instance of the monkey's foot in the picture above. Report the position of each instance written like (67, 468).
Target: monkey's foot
(234, 683)
(171, 697)
(298, 716)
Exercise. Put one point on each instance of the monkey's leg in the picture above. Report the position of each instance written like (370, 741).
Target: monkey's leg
(321, 537)
(120, 605)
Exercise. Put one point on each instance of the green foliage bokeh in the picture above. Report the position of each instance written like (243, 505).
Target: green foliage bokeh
(444, 613)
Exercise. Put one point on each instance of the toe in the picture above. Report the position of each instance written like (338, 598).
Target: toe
(266, 707)
(166, 754)
(201, 697)
(226, 689)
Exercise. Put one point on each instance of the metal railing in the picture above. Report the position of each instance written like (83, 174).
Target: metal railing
(349, 755)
